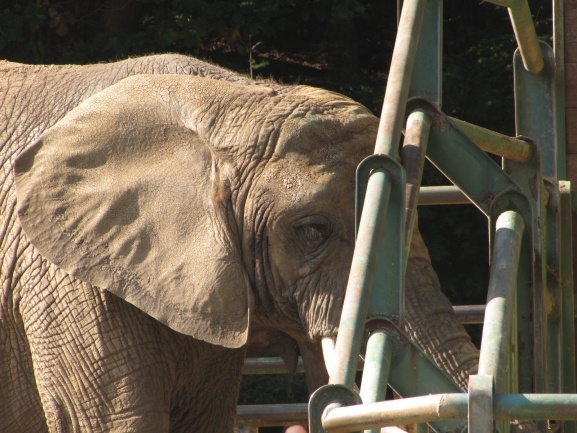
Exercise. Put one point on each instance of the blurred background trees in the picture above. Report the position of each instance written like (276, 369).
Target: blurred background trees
(342, 45)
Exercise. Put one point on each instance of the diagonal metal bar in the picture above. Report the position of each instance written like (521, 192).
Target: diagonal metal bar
(361, 278)
(399, 80)
(525, 34)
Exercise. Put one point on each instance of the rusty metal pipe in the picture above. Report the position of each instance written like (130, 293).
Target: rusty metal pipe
(413, 160)
(399, 80)
(436, 195)
(404, 411)
(524, 33)
(469, 314)
(495, 143)
(500, 298)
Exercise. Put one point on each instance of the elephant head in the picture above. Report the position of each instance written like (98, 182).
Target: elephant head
(207, 204)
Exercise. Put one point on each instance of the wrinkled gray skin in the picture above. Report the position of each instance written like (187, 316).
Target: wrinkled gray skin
(273, 168)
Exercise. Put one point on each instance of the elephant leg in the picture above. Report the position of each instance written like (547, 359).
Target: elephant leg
(20, 406)
(103, 365)
(207, 393)
(99, 363)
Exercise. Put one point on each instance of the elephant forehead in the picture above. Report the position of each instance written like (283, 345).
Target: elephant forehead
(327, 139)
(296, 180)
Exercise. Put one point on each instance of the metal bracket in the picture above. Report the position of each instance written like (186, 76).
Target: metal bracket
(480, 404)
(327, 398)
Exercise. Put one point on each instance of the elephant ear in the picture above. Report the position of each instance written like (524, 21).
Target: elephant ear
(127, 194)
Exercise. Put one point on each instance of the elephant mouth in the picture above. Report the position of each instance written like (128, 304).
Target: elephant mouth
(265, 342)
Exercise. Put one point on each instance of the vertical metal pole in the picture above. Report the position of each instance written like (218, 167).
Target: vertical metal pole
(495, 343)
(413, 159)
(398, 83)
(480, 419)
(377, 367)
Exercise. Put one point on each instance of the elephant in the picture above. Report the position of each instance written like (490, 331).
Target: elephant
(156, 210)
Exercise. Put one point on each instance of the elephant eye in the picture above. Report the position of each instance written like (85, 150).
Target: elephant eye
(314, 233)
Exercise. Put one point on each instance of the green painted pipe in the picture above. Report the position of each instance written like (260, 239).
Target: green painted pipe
(361, 279)
(377, 368)
(495, 341)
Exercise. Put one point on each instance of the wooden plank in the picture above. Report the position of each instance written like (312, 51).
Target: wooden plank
(570, 59)
(570, 8)
(572, 167)
(571, 130)
(571, 85)
(570, 27)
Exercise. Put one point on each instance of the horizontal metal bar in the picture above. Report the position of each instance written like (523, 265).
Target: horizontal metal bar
(557, 407)
(269, 365)
(431, 195)
(276, 365)
(448, 406)
(404, 411)
(272, 415)
(469, 314)
(495, 143)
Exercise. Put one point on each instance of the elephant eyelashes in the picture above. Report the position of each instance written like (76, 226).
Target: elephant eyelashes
(313, 233)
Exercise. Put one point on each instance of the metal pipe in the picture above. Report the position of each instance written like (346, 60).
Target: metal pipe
(277, 365)
(272, 415)
(413, 160)
(404, 411)
(361, 279)
(495, 143)
(269, 365)
(377, 366)
(400, 73)
(469, 314)
(502, 285)
(438, 407)
(435, 195)
(535, 406)
(524, 33)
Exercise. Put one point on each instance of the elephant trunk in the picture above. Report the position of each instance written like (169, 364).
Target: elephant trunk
(432, 325)
(430, 320)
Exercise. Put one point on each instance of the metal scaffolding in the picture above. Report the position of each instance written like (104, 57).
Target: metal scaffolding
(527, 358)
